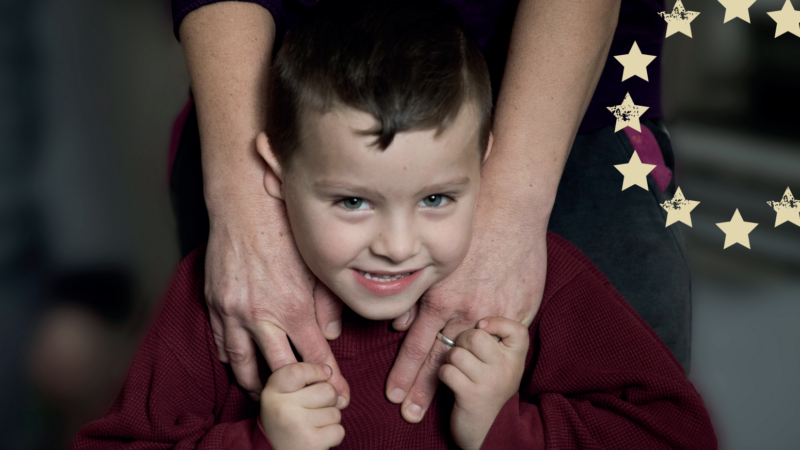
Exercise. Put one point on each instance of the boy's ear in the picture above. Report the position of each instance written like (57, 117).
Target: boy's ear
(489, 148)
(273, 178)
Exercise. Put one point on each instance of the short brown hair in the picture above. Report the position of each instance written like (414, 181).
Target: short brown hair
(409, 63)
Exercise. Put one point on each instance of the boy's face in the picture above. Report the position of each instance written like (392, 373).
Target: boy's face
(408, 208)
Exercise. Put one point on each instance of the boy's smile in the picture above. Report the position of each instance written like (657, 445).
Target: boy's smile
(354, 208)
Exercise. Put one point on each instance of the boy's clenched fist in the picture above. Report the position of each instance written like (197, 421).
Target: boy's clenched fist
(483, 373)
(298, 408)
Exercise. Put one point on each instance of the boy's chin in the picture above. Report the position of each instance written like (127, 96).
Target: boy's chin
(371, 313)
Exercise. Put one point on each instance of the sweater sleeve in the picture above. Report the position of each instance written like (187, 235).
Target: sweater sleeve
(598, 376)
(176, 388)
(517, 426)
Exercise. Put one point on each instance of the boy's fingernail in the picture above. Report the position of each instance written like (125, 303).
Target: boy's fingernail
(482, 324)
(334, 328)
(328, 370)
(404, 318)
(414, 411)
(255, 396)
(340, 402)
(397, 395)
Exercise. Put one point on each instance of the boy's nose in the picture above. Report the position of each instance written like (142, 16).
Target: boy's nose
(398, 241)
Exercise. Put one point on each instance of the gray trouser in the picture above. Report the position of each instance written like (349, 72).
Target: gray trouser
(623, 232)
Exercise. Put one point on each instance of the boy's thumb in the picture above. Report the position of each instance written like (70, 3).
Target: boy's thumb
(511, 332)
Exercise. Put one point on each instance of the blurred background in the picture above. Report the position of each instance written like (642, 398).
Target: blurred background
(89, 90)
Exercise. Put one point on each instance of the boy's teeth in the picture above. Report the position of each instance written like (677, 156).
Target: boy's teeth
(382, 278)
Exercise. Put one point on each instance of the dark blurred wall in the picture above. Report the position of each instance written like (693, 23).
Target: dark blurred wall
(730, 96)
(88, 92)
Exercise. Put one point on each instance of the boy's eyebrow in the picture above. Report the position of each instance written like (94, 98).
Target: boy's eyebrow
(438, 187)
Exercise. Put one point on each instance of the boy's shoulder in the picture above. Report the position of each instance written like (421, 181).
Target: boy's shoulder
(565, 263)
(574, 282)
(183, 324)
(582, 316)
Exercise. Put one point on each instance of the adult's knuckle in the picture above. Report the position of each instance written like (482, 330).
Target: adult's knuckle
(317, 354)
(433, 362)
(416, 350)
(471, 311)
(236, 355)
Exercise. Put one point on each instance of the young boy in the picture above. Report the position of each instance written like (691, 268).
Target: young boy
(379, 220)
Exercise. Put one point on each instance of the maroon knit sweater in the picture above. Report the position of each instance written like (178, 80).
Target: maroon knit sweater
(597, 377)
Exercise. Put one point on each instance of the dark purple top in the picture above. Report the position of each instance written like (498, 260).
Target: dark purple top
(490, 22)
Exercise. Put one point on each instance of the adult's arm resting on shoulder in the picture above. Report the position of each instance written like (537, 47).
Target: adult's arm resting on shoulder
(175, 387)
(257, 286)
(597, 375)
(555, 57)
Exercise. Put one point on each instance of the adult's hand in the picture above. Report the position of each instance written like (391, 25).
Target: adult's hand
(257, 286)
(258, 290)
(555, 57)
(502, 275)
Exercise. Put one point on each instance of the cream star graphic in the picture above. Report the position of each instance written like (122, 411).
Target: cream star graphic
(788, 209)
(737, 8)
(737, 230)
(787, 20)
(679, 19)
(635, 172)
(635, 63)
(627, 114)
(679, 209)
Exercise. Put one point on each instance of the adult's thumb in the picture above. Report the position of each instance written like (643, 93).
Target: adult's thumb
(328, 308)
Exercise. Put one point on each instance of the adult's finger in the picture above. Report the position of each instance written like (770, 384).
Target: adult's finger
(241, 354)
(413, 352)
(404, 322)
(314, 348)
(218, 331)
(328, 307)
(309, 342)
(294, 377)
(274, 345)
(421, 393)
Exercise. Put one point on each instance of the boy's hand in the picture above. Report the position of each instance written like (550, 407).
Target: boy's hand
(298, 408)
(483, 374)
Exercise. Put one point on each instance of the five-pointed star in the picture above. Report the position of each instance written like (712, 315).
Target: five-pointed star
(787, 19)
(788, 209)
(737, 230)
(737, 8)
(679, 19)
(627, 114)
(635, 172)
(678, 209)
(635, 63)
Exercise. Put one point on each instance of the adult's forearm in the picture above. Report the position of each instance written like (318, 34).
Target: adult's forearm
(556, 55)
(228, 49)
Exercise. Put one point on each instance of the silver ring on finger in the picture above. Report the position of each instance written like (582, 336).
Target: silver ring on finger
(446, 341)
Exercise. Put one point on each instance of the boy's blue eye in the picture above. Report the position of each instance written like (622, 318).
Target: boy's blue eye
(431, 201)
(435, 200)
(352, 203)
